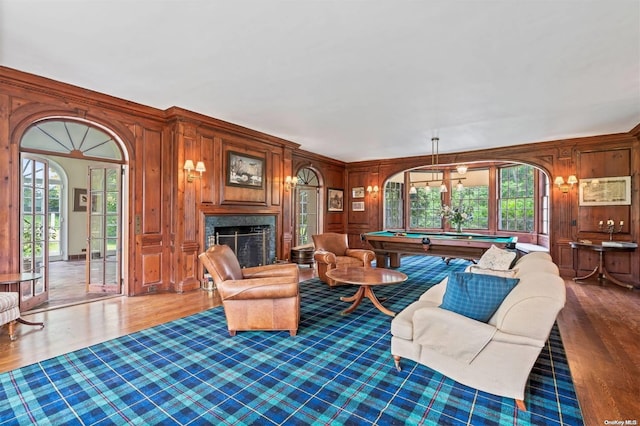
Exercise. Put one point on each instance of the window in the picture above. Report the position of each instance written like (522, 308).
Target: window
(475, 195)
(517, 203)
(393, 205)
(425, 207)
(544, 208)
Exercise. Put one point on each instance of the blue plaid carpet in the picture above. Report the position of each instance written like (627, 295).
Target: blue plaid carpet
(337, 370)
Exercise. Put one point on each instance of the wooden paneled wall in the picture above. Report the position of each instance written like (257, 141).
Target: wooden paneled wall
(165, 213)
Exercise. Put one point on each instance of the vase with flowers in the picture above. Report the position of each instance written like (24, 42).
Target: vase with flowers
(457, 216)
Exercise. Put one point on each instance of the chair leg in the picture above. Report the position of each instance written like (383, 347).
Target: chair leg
(232, 333)
(520, 405)
(396, 361)
(293, 332)
(12, 330)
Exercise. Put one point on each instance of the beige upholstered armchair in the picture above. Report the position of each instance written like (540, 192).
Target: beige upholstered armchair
(256, 298)
(332, 251)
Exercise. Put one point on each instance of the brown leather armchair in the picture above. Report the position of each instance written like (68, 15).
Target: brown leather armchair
(256, 298)
(332, 251)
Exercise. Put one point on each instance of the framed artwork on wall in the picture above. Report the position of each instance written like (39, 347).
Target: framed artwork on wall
(79, 200)
(245, 170)
(605, 191)
(357, 192)
(335, 200)
(357, 206)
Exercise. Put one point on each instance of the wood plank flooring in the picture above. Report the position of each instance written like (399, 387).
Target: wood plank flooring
(600, 328)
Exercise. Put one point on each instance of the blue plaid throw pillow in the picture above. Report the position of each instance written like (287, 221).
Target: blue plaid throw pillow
(476, 296)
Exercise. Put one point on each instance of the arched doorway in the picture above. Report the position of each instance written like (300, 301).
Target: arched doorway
(82, 213)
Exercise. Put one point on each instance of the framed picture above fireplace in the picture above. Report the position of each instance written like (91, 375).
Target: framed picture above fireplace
(245, 170)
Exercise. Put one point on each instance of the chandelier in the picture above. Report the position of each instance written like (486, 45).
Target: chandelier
(435, 152)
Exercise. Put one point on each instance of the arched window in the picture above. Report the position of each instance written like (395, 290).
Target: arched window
(307, 207)
(71, 138)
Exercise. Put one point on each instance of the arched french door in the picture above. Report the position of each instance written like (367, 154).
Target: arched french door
(80, 217)
(308, 209)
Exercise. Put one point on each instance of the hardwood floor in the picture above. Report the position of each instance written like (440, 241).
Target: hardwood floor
(600, 328)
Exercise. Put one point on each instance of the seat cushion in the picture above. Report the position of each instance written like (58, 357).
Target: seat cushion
(476, 296)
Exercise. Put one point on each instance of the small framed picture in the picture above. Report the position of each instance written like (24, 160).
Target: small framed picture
(357, 206)
(335, 200)
(357, 192)
(79, 200)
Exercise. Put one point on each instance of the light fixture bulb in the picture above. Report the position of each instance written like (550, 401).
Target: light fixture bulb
(462, 169)
(459, 186)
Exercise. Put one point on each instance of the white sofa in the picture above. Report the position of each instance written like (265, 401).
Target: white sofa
(497, 356)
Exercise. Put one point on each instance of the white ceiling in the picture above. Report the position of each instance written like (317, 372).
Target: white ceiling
(352, 80)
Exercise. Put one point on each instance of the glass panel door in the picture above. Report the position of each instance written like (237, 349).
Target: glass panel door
(104, 242)
(35, 232)
(54, 203)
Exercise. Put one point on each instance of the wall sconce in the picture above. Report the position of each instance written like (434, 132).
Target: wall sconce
(290, 182)
(564, 187)
(188, 166)
(373, 190)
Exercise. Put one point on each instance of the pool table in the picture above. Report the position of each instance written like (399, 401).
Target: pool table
(389, 246)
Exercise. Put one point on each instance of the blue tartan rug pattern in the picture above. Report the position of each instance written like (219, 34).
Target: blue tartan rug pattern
(337, 370)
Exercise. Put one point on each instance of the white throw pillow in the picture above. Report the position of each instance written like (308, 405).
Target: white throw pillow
(509, 273)
(496, 258)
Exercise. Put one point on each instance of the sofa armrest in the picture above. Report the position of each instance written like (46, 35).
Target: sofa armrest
(532, 306)
(366, 256)
(257, 288)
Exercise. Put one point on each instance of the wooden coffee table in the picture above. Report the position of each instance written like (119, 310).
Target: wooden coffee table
(366, 278)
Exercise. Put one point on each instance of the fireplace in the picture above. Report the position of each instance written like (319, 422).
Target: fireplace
(251, 237)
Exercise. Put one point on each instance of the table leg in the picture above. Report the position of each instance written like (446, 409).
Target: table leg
(368, 292)
(356, 299)
(608, 277)
(23, 321)
(588, 275)
(598, 269)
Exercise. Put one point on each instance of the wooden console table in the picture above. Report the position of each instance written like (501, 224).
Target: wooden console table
(602, 272)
